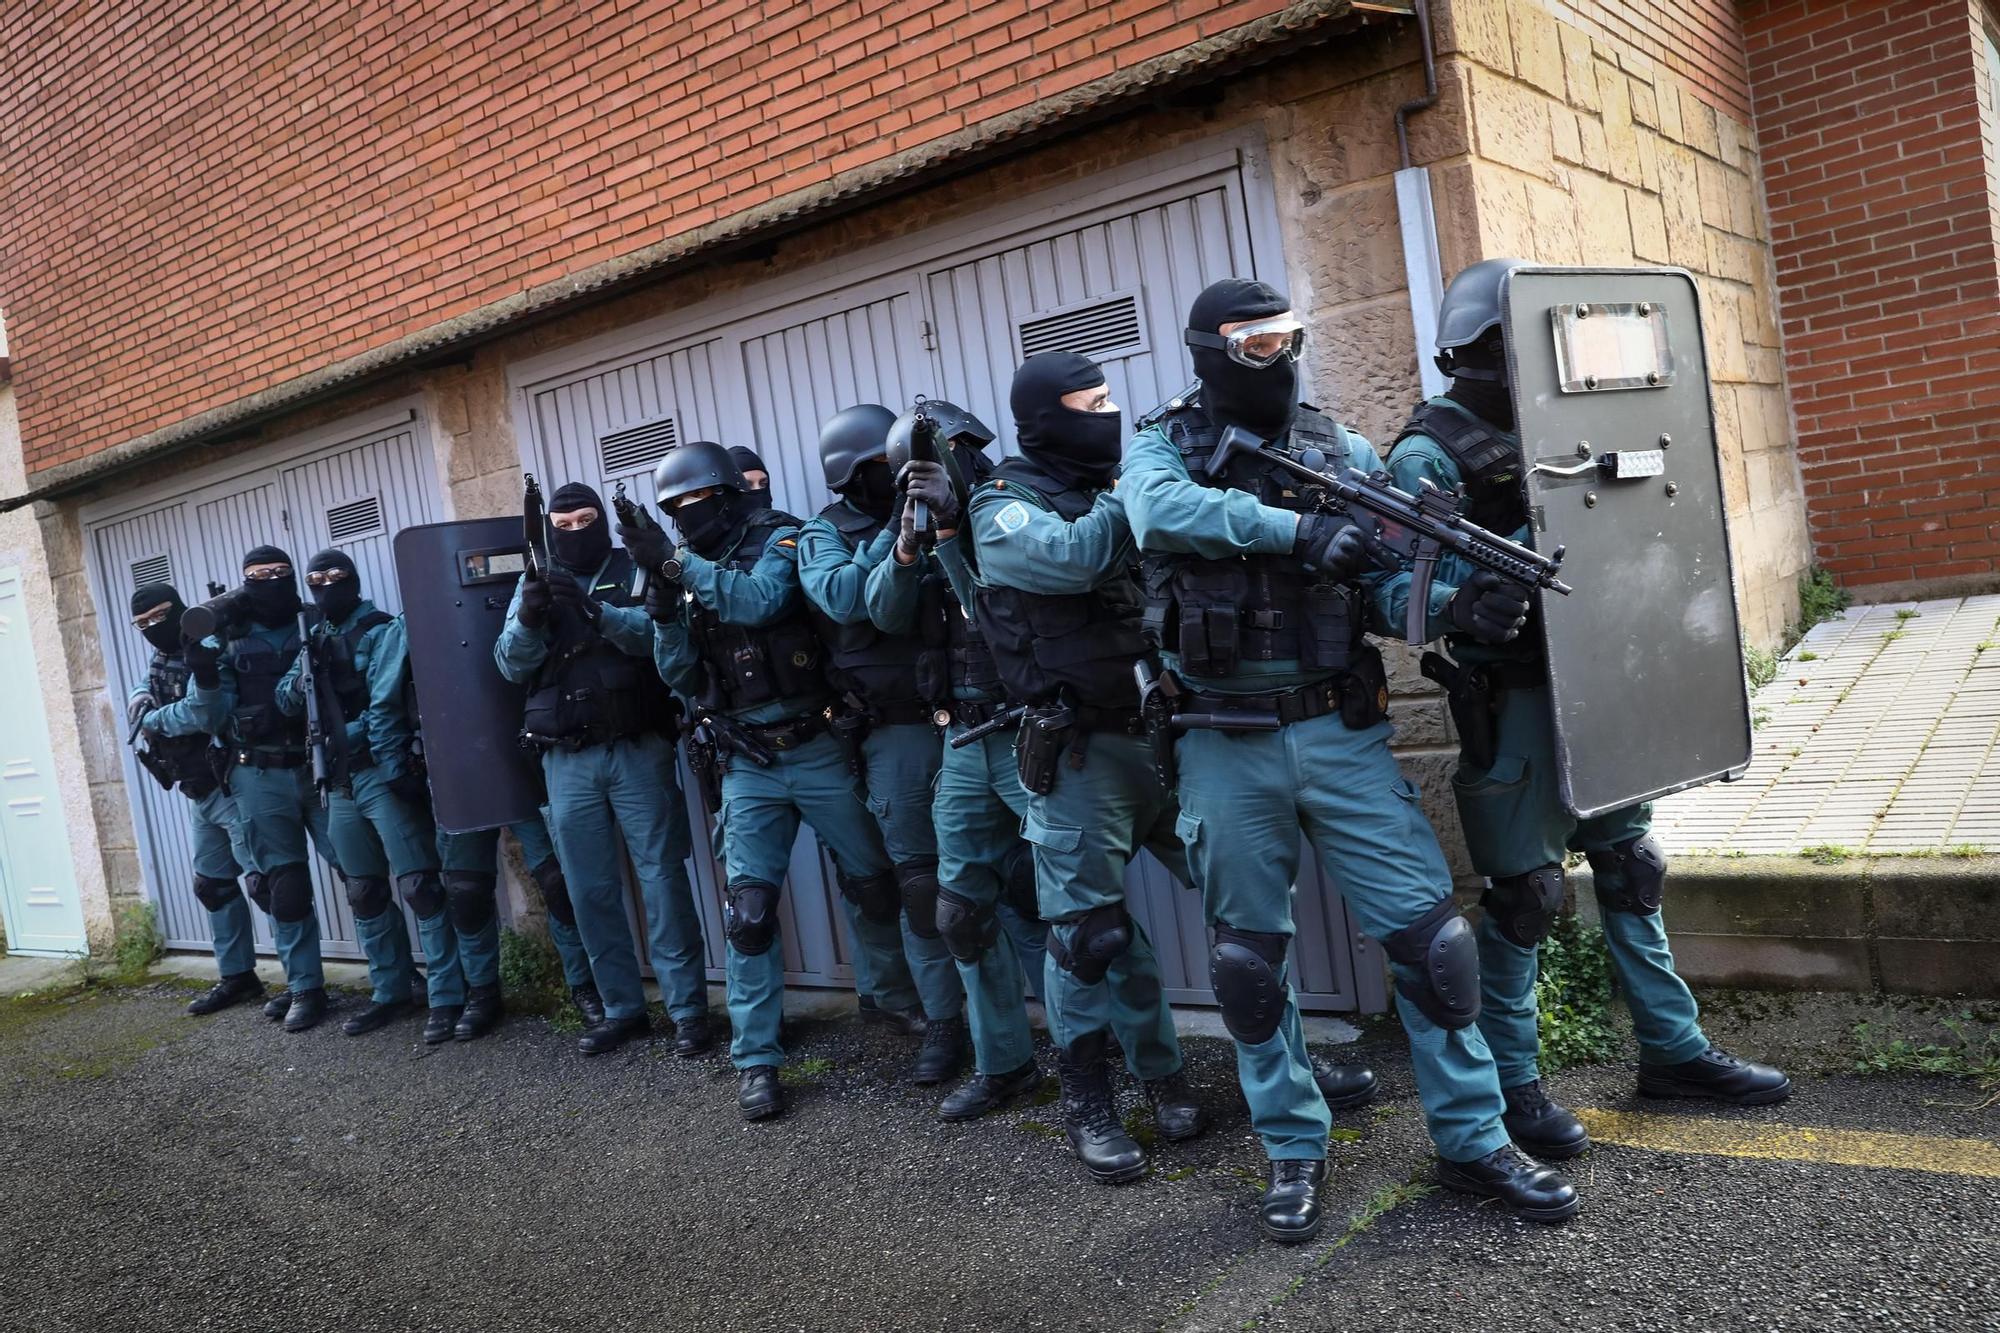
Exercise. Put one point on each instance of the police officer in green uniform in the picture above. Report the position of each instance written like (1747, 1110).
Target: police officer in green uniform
(379, 813)
(1060, 607)
(732, 634)
(180, 754)
(1505, 787)
(888, 685)
(578, 638)
(234, 694)
(985, 913)
(1262, 607)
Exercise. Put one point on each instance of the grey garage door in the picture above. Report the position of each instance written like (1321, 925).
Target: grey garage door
(1111, 279)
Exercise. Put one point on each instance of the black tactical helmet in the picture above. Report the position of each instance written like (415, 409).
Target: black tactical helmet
(694, 466)
(850, 438)
(1469, 312)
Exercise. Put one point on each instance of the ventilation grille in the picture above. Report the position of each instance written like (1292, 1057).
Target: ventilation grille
(356, 518)
(153, 569)
(1094, 330)
(636, 448)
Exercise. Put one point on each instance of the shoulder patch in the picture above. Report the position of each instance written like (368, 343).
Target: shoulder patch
(792, 542)
(1011, 519)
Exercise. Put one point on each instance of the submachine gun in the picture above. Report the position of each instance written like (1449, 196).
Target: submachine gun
(327, 744)
(534, 527)
(925, 436)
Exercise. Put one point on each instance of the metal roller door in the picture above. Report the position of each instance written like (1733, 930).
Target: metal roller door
(348, 488)
(1109, 274)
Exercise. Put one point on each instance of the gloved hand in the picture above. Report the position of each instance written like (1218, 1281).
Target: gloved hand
(1489, 608)
(569, 594)
(204, 663)
(535, 602)
(663, 600)
(646, 543)
(141, 705)
(1335, 547)
(929, 483)
(410, 787)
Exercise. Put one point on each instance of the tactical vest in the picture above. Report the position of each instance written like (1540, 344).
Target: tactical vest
(971, 657)
(184, 758)
(1080, 644)
(893, 672)
(1488, 464)
(590, 692)
(334, 654)
(746, 665)
(1218, 614)
(259, 666)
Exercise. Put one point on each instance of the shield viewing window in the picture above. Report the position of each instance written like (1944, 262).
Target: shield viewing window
(1617, 345)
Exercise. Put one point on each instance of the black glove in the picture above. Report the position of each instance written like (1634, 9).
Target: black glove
(663, 600)
(410, 787)
(533, 611)
(1489, 608)
(646, 543)
(1335, 547)
(929, 483)
(204, 663)
(569, 594)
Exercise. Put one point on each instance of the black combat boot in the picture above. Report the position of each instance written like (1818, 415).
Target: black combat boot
(376, 1015)
(612, 1033)
(946, 1045)
(1529, 1189)
(1176, 1113)
(1540, 1125)
(306, 1010)
(278, 1005)
(588, 1003)
(694, 1035)
(482, 1013)
(759, 1095)
(1344, 1086)
(440, 1021)
(1090, 1120)
(1718, 1076)
(1290, 1210)
(989, 1092)
(905, 1022)
(232, 989)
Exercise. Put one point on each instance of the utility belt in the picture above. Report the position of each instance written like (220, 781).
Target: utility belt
(274, 758)
(716, 738)
(1474, 692)
(360, 758)
(968, 713)
(1358, 696)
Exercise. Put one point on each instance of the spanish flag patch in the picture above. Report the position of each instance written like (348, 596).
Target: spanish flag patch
(788, 541)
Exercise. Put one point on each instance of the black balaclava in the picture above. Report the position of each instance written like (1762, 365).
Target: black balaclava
(1078, 448)
(707, 524)
(336, 601)
(1260, 401)
(165, 636)
(1490, 400)
(274, 601)
(747, 462)
(872, 489)
(585, 550)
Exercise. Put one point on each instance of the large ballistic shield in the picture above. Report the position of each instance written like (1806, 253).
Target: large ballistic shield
(456, 580)
(1611, 394)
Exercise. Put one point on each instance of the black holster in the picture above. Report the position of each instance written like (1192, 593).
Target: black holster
(705, 762)
(156, 764)
(1038, 749)
(1474, 701)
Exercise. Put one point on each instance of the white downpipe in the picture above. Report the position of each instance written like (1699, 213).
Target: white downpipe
(1422, 268)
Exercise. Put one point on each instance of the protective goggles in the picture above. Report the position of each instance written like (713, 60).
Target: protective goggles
(1258, 344)
(325, 578)
(156, 616)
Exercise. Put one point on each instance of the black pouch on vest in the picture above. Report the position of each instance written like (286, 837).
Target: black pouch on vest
(1364, 692)
(934, 676)
(1327, 638)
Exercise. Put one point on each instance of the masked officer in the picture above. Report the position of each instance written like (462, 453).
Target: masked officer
(379, 811)
(985, 911)
(1505, 787)
(1261, 607)
(180, 754)
(889, 686)
(732, 634)
(755, 475)
(578, 638)
(1060, 607)
(234, 694)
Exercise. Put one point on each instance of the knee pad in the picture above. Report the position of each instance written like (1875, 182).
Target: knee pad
(1641, 870)
(423, 891)
(214, 894)
(1441, 946)
(968, 929)
(368, 896)
(876, 896)
(1523, 907)
(750, 915)
(1101, 935)
(548, 877)
(291, 890)
(471, 898)
(917, 884)
(1246, 968)
(1017, 881)
(257, 887)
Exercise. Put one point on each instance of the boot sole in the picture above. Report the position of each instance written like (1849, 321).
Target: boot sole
(762, 1112)
(1351, 1101)
(1561, 1213)
(1695, 1092)
(1000, 1103)
(1124, 1176)
(1290, 1237)
(1551, 1152)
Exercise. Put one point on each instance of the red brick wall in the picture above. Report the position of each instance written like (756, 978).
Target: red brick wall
(199, 201)
(1869, 118)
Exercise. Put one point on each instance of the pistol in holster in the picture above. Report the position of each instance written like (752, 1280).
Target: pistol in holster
(1474, 700)
(1159, 700)
(1038, 750)
(705, 762)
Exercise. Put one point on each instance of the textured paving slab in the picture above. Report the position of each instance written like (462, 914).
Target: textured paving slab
(1879, 735)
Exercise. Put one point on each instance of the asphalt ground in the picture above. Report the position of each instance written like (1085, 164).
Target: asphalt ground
(165, 1173)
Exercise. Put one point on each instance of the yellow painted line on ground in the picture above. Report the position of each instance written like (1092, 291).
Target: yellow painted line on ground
(1793, 1143)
